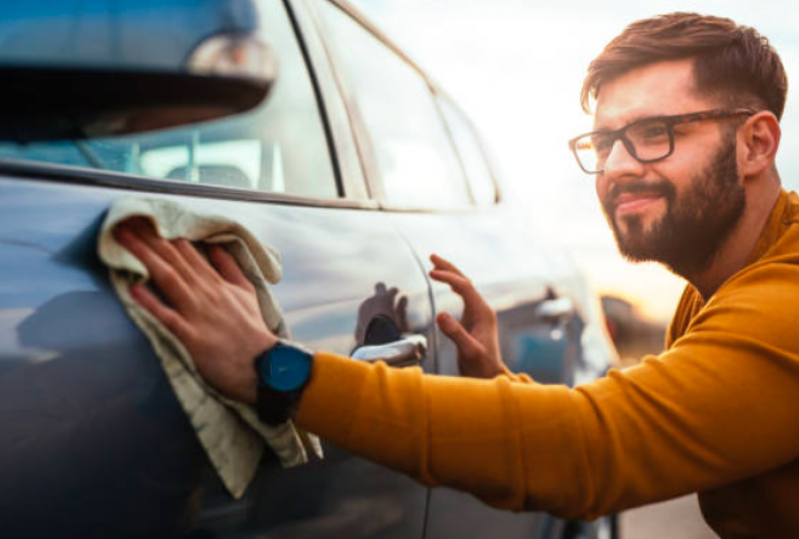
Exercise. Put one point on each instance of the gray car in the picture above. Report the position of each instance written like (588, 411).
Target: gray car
(302, 121)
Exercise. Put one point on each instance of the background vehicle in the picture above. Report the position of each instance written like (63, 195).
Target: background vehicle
(355, 169)
(633, 335)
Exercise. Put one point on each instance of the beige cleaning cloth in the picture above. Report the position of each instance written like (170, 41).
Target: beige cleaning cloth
(229, 431)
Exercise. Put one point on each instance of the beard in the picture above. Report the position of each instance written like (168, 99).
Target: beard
(696, 223)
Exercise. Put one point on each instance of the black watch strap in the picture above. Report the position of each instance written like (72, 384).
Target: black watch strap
(274, 407)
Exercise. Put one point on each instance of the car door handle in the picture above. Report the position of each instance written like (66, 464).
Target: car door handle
(555, 310)
(405, 352)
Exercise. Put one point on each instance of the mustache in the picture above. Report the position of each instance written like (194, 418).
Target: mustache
(657, 187)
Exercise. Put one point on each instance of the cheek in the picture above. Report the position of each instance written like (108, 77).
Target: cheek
(678, 179)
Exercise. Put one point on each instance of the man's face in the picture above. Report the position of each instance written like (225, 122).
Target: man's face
(679, 210)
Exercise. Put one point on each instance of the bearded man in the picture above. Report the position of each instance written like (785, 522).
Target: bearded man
(686, 131)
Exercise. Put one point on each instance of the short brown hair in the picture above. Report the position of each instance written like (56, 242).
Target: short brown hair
(733, 61)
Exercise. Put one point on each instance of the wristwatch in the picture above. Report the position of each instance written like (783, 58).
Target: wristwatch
(283, 372)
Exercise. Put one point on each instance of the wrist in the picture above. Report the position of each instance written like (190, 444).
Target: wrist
(263, 343)
(248, 392)
(282, 373)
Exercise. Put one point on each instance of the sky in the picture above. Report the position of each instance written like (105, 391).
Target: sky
(516, 68)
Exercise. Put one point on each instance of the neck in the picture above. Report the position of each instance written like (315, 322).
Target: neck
(734, 252)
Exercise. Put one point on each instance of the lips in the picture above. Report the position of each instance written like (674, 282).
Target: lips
(634, 202)
(630, 197)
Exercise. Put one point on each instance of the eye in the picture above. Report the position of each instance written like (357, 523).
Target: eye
(601, 143)
(656, 131)
(650, 131)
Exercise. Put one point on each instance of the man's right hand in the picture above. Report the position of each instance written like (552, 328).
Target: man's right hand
(211, 307)
(476, 336)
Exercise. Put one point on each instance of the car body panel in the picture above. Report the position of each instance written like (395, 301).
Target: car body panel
(96, 443)
(72, 356)
(515, 276)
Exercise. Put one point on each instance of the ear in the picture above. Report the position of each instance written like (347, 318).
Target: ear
(758, 140)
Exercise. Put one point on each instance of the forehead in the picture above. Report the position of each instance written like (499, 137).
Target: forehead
(662, 88)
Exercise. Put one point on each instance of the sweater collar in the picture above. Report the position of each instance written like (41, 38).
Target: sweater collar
(780, 217)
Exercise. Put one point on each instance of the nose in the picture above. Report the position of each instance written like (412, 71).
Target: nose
(620, 162)
(620, 165)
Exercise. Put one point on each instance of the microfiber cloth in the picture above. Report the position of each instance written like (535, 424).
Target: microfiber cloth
(230, 432)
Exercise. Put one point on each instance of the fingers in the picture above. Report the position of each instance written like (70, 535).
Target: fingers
(457, 282)
(467, 345)
(443, 264)
(446, 272)
(177, 267)
(201, 269)
(164, 249)
(476, 312)
(168, 317)
(165, 276)
(227, 266)
(460, 285)
(142, 230)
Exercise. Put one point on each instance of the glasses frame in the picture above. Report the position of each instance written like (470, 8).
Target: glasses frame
(669, 121)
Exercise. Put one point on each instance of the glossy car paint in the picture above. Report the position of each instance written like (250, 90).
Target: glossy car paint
(83, 392)
(516, 275)
(97, 446)
(124, 34)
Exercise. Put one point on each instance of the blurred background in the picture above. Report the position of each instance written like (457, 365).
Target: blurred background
(516, 67)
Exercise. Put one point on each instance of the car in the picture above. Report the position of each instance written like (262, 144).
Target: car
(306, 124)
(633, 334)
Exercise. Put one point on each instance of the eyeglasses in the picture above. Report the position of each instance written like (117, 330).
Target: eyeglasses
(647, 140)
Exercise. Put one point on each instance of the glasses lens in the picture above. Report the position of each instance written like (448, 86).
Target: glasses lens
(651, 139)
(646, 140)
(586, 148)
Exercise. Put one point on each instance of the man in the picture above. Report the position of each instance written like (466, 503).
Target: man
(686, 131)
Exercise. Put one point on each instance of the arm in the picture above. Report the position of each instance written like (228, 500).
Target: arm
(718, 407)
(233, 328)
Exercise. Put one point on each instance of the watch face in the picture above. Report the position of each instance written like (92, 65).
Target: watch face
(287, 368)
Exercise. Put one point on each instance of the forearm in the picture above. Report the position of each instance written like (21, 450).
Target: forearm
(464, 433)
(517, 376)
(657, 431)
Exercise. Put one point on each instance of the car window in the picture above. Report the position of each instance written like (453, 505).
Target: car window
(415, 157)
(279, 147)
(472, 154)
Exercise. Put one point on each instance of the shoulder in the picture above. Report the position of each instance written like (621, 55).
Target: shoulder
(762, 297)
(758, 304)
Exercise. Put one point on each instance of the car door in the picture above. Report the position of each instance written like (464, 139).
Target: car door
(95, 443)
(433, 177)
(540, 329)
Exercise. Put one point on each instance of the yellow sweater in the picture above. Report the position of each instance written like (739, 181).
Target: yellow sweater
(716, 413)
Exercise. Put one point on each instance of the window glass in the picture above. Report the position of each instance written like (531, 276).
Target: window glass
(279, 147)
(471, 153)
(415, 156)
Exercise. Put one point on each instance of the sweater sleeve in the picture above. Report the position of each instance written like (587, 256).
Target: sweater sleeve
(718, 407)
(516, 376)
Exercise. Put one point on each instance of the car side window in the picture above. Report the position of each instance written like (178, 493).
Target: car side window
(414, 154)
(472, 154)
(279, 147)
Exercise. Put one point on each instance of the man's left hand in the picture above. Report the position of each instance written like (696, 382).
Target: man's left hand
(476, 335)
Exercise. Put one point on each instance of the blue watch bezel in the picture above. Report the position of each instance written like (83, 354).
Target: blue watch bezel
(285, 368)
